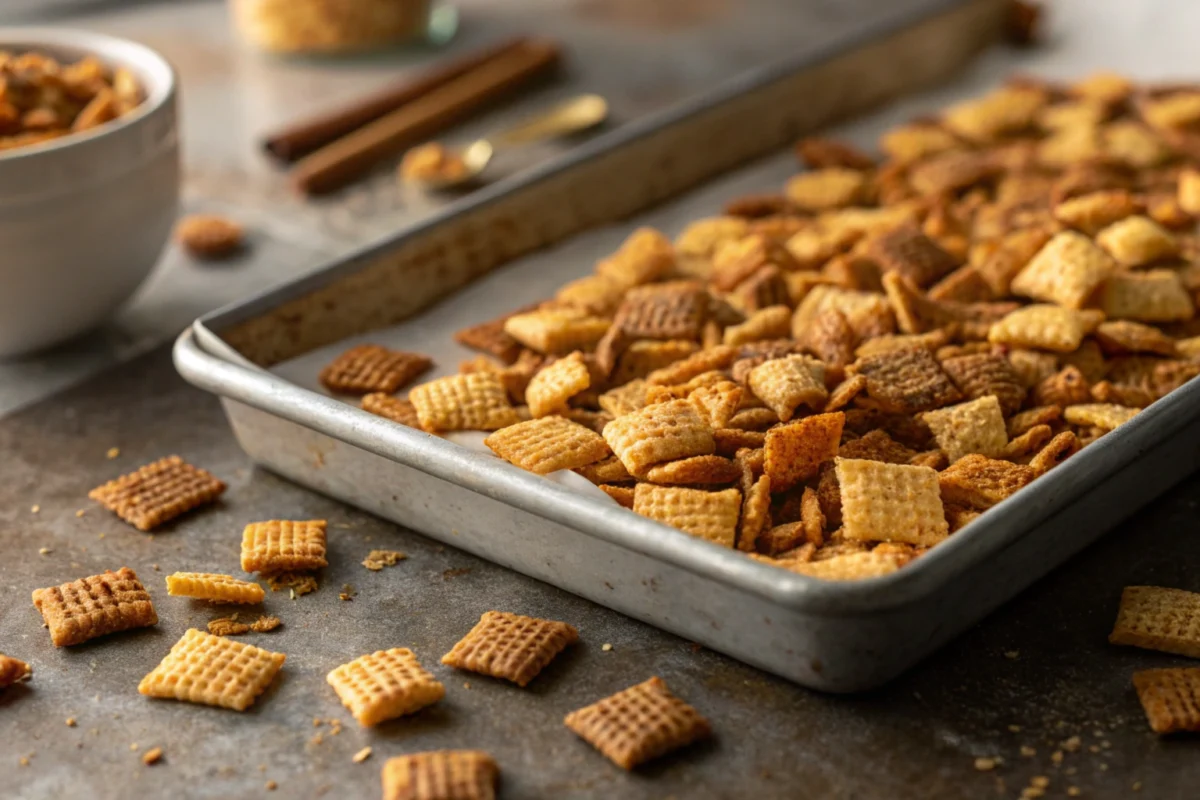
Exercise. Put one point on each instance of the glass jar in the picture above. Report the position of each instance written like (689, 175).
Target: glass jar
(330, 26)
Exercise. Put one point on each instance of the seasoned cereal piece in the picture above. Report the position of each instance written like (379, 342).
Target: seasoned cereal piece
(1157, 295)
(986, 374)
(158, 492)
(756, 513)
(510, 646)
(477, 401)
(384, 685)
(95, 606)
(683, 370)
(662, 432)
(1101, 415)
(441, 775)
(908, 143)
(1008, 109)
(1123, 337)
(845, 392)
(817, 152)
(906, 381)
(490, 338)
(1170, 698)
(1060, 448)
(781, 538)
(770, 323)
(1044, 327)
(976, 426)
(794, 453)
(758, 206)
(1023, 421)
(1066, 271)
(890, 502)
(207, 236)
(625, 399)
(1014, 252)
(594, 295)
(830, 338)
(641, 358)
(13, 670)
(700, 239)
(811, 517)
(979, 482)
(608, 470)
(623, 495)
(214, 587)
(737, 259)
(849, 566)
(1027, 443)
(785, 384)
(868, 313)
(730, 440)
(1189, 190)
(639, 724)
(951, 171)
(910, 253)
(1093, 212)
(549, 390)
(707, 515)
(644, 257)
(660, 311)
(1131, 144)
(964, 285)
(825, 189)
(283, 546)
(695, 470)
(213, 671)
(393, 408)
(548, 444)
(934, 341)
(370, 368)
(718, 402)
(1137, 240)
(1157, 618)
(1064, 388)
(556, 331)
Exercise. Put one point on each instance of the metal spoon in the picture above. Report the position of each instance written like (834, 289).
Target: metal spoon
(571, 116)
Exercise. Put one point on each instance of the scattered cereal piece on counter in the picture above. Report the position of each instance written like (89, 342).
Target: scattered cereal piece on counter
(152, 756)
(361, 755)
(212, 670)
(298, 584)
(510, 646)
(272, 786)
(95, 606)
(209, 237)
(606, 647)
(214, 587)
(1170, 698)
(467, 774)
(277, 546)
(384, 685)
(985, 764)
(433, 163)
(112, 453)
(158, 492)
(44, 551)
(1157, 618)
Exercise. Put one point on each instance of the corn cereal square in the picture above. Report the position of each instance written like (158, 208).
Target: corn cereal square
(95, 606)
(556, 331)
(890, 502)
(1170, 698)
(384, 685)
(1066, 271)
(976, 426)
(661, 432)
(215, 587)
(371, 368)
(510, 646)
(707, 515)
(477, 401)
(441, 775)
(283, 545)
(548, 444)
(825, 189)
(849, 566)
(549, 390)
(213, 671)
(1137, 240)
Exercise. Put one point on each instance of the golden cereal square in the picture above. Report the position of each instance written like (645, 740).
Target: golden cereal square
(371, 368)
(907, 381)
(477, 401)
(552, 386)
(641, 358)
(1137, 240)
(13, 670)
(1157, 618)
(1066, 271)
(825, 189)
(215, 587)
(212, 671)
(659, 311)
(639, 724)
(1123, 337)
(1092, 212)
(718, 402)
(700, 362)
(911, 254)
(849, 566)
(661, 432)
(707, 515)
(1170, 698)
(490, 338)
(976, 426)
(283, 546)
(384, 685)
(510, 646)
(592, 294)
(1100, 415)
(774, 322)
(393, 408)
(1157, 295)
(890, 502)
(158, 492)
(787, 383)
(981, 374)
(979, 482)
(794, 452)
(1005, 110)
(441, 775)
(644, 257)
(95, 606)
(608, 470)
(556, 331)
(625, 399)
(695, 470)
(548, 444)
(1043, 327)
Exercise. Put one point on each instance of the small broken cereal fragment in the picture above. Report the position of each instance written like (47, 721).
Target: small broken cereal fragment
(826, 189)
(1060, 448)
(976, 426)
(477, 401)
(441, 775)
(1136, 241)
(152, 756)
(1157, 295)
(913, 255)
(787, 383)
(370, 368)
(818, 153)
(756, 206)
(297, 583)
(978, 482)
(384, 685)
(982, 374)
(393, 408)
(548, 444)
(209, 237)
(510, 646)
(663, 311)
(1027, 443)
(265, 623)
(1045, 327)
(361, 755)
(213, 671)
(13, 670)
(906, 381)
(283, 545)
(378, 559)
(228, 626)
(552, 386)
(96, 606)
(1101, 415)
(1170, 698)
(1066, 271)
(707, 515)
(793, 453)
(1157, 618)
(850, 566)
(877, 445)
(556, 331)
(890, 502)
(432, 163)
(639, 724)
(214, 587)
(158, 492)
(830, 338)
(695, 470)
(661, 432)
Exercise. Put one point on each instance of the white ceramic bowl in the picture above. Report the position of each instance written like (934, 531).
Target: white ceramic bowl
(84, 218)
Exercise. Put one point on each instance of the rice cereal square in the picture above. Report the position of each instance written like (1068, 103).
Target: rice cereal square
(890, 502)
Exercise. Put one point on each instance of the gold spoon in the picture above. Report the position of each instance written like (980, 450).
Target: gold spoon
(571, 116)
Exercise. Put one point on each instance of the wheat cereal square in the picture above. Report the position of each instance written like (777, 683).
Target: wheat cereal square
(695, 470)
(793, 453)
(890, 502)
(664, 312)
(1123, 337)
(1156, 295)
(625, 399)
(706, 515)
(490, 338)
(639, 724)
(1157, 618)
(1044, 327)
(370, 368)
(979, 482)
(548, 444)
(913, 255)
(906, 381)
(558, 331)
(384, 685)
(645, 256)
(657, 433)
(393, 408)
(215, 587)
(13, 670)
(698, 363)
(213, 671)
(1066, 271)
(1100, 415)
(981, 374)
(1138, 240)
(510, 646)
(784, 384)
(441, 775)
(756, 513)
(158, 492)
(976, 426)
(283, 546)
(1170, 698)
(552, 386)
(95, 606)
(477, 401)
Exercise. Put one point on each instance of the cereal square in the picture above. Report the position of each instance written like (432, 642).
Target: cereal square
(661, 311)
(825, 189)
(906, 380)
(718, 402)
(641, 358)
(510, 646)
(1157, 295)
(890, 502)
(756, 514)
(976, 426)
(214, 587)
(552, 386)
(477, 401)
(1123, 337)
(371, 368)
(982, 374)
(1066, 271)
(644, 257)
(979, 482)
(1044, 327)
(1100, 415)
(700, 362)
(548, 444)
(625, 399)
(95, 606)
(794, 452)
(393, 408)
(707, 515)
(695, 470)
(441, 775)
(384, 685)
(661, 432)
(556, 331)
(158, 492)
(1170, 698)
(490, 338)
(212, 671)
(1157, 618)
(913, 255)
(283, 546)
(787, 383)
(1137, 240)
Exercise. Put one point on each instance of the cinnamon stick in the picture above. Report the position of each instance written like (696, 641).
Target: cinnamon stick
(304, 137)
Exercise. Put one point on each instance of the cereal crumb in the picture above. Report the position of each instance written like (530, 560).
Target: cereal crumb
(35, 509)
(454, 572)
(985, 764)
(1072, 744)
(348, 592)
(1032, 793)
(81, 512)
(1093, 748)
(606, 647)
(1073, 791)
(272, 786)
(227, 626)
(1137, 786)
(1014, 728)
(1056, 757)
(133, 746)
(466, 684)
(70, 722)
(1040, 781)
(1103, 767)
(23, 761)
(265, 623)
(378, 559)
(113, 452)
(152, 756)
(1027, 751)
(45, 551)
(361, 755)
(1012, 654)
(1070, 770)
(209, 237)
(317, 738)
(298, 583)
(101, 535)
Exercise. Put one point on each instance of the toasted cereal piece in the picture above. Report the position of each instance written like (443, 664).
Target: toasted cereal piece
(1157, 295)
(441, 775)
(641, 358)
(1170, 698)
(1138, 240)
(756, 514)
(1044, 327)
(158, 492)
(477, 401)
(625, 399)
(1100, 415)
(393, 408)
(707, 515)
(786, 383)
(951, 171)
(824, 189)
(1095, 211)
(964, 285)
(1064, 388)
(1189, 347)
(909, 143)
(890, 502)
(1013, 253)
(780, 539)
(283, 546)
(695, 470)
(795, 452)
(849, 566)
(702, 238)
(1005, 110)
(910, 253)
(209, 237)
(1158, 618)
(934, 340)
(1131, 144)
(976, 426)
(13, 670)
(228, 626)
(595, 295)
(384, 685)
(552, 386)
(556, 331)
(1123, 337)
(370, 368)
(811, 517)
(718, 402)
(986, 374)
(1060, 448)
(818, 153)
(1023, 421)
(490, 338)
(645, 256)
(734, 261)
(548, 444)
(1189, 190)
(1066, 271)
(758, 206)
(95, 606)
(661, 311)
(510, 646)
(868, 313)
(730, 440)
(1027, 443)
(639, 724)
(662, 432)
(845, 392)
(906, 381)
(1104, 87)
(830, 338)
(774, 322)
(623, 495)
(608, 470)
(212, 671)
(215, 587)
(877, 445)
(683, 370)
(978, 482)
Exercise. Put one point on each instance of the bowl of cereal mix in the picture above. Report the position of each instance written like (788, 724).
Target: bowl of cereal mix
(89, 179)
